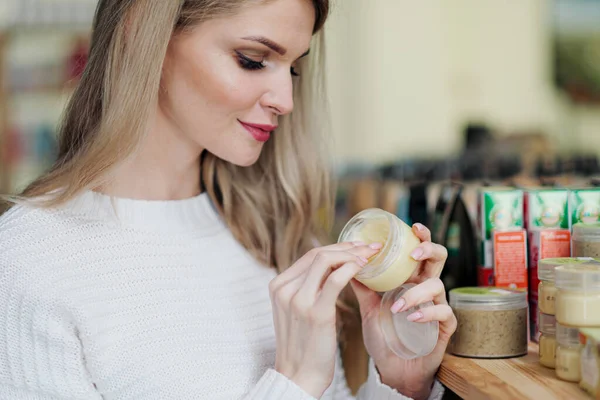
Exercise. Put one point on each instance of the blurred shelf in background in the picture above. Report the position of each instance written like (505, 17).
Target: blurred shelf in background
(43, 50)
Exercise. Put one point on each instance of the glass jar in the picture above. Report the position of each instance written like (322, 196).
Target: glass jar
(546, 288)
(578, 294)
(393, 264)
(387, 272)
(590, 361)
(492, 322)
(568, 353)
(547, 340)
(586, 240)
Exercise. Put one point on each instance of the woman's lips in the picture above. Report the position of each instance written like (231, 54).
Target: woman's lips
(259, 132)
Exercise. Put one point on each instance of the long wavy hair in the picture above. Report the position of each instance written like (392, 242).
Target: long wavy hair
(274, 208)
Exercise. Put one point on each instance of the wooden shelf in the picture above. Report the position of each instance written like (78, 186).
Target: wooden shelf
(515, 378)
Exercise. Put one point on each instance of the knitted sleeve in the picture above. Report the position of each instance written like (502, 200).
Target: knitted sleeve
(41, 357)
(374, 389)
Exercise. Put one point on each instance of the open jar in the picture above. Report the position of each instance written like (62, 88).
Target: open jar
(578, 294)
(568, 353)
(393, 264)
(388, 272)
(546, 288)
(492, 322)
(547, 340)
(586, 240)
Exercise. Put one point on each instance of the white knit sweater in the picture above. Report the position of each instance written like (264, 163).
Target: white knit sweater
(135, 299)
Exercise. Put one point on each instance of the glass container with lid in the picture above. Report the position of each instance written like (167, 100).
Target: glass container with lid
(393, 264)
(578, 294)
(568, 353)
(492, 322)
(546, 288)
(547, 345)
(586, 240)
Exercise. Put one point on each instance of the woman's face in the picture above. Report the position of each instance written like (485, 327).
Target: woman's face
(226, 82)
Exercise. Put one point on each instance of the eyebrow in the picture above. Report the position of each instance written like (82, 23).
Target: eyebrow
(272, 45)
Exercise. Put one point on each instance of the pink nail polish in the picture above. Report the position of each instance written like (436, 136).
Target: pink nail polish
(363, 260)
(376, 246)
(415, 316)
(420, 227)
(398, 306)
(359, 243)
(417, 254)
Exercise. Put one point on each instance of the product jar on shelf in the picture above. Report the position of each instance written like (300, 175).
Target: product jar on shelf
(586, 240)
(568, 353)
(492, 322)
(578, 294)
(547, 343)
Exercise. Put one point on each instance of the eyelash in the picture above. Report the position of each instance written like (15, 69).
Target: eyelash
(251, 65)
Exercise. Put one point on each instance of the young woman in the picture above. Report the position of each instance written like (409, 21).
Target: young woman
(169, 253)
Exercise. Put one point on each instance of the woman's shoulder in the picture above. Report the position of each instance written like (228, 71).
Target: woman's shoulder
(30, 233)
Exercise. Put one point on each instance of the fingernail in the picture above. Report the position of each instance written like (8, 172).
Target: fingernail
(359, 243)
(376, 246)
(397, 306)
(415, 316)
(420, 227)
(363, 260)
(417, 254)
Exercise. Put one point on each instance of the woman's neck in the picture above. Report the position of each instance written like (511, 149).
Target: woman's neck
(166, 166)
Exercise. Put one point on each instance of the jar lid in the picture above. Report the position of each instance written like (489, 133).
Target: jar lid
(406, 339)
(547, 266)
(375, 225)
(587, 231)
(584, 276)
(492, 298)
(566, 335)
(547, 324)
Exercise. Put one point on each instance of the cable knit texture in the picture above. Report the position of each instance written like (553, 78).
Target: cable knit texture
(131, 299)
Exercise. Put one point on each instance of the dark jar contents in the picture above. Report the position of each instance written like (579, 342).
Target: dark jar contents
(492, 323)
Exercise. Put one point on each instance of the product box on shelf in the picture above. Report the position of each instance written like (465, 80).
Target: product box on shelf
(584, 205)
(510, 259)
(500, 209)
(546, 209)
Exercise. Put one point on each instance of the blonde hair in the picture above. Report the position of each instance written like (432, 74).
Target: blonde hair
(271, 207)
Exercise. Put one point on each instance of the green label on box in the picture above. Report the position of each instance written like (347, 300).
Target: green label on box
(584, 206)
(503, 210)
(548, 209)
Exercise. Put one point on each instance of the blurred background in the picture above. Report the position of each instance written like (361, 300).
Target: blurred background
(430, 101)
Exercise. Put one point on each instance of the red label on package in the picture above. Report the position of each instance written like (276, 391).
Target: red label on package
(510, 259)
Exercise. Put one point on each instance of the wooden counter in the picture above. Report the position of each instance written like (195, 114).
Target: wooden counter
(515, 378)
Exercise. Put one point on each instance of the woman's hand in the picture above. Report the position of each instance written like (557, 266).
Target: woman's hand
(413, 378)
(304, 312)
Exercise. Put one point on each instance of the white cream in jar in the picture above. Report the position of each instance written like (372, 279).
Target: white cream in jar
(568, 354)
(393, 265)
(547, 343)
(578, 294)
(546, 288)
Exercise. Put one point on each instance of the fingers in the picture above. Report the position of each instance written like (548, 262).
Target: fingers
(321, 269)
(422, 232)
(335, 283)
(305, 262)
(440, 312)
(430, 290)
(434, 255)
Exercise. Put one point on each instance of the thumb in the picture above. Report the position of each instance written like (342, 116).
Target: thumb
(368, 300)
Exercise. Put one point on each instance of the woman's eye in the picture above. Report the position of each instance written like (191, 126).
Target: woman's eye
(248, 63)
